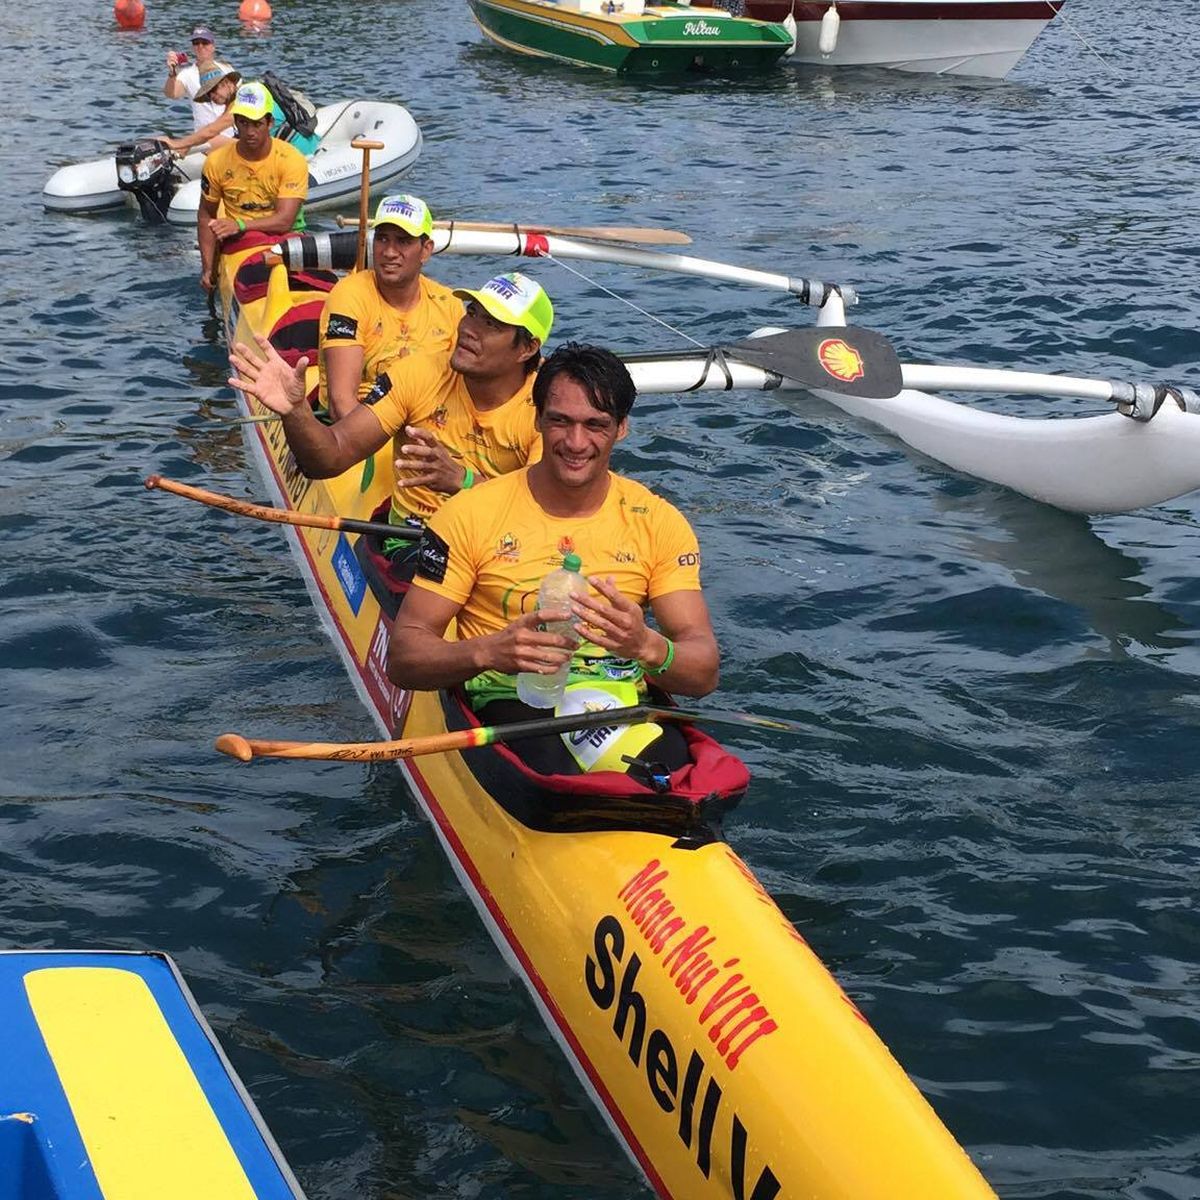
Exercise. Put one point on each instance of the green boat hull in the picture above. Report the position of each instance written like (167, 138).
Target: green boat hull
(666, 39)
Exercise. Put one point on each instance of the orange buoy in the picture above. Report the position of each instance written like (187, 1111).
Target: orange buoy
(254, 11)
(130, 14)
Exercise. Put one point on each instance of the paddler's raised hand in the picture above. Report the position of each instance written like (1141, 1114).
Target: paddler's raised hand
(613, 621)
(423, 461)
(267, 377)
(524, 646)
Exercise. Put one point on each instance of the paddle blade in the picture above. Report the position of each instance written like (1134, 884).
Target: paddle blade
(847, 360)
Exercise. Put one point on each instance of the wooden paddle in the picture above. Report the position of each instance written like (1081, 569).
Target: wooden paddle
(366, 145)
(237, 746)
(603, 233)
(260, 512)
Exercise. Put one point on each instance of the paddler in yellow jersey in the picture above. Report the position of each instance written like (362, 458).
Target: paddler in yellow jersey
(485, 552)
(454, 422)
(262, 180)
(388, 312)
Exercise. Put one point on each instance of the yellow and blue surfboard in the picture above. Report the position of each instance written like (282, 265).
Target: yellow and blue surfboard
(113, 1087)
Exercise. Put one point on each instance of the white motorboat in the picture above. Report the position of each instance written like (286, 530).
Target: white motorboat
(334, 169)
(943, 37)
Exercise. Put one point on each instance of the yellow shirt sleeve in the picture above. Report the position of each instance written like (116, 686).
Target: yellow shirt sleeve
(411, 378)
(447, 562)
(210, 178)
(676, 564)
(345, 316)
(293, 173)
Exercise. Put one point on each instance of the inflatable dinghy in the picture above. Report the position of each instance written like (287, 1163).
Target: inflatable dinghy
(167, 187)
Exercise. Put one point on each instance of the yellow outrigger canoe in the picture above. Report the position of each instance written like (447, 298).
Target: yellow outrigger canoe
(723, 1055)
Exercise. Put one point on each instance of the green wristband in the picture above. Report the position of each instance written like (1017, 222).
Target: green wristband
(664, 666)
(468, 479)
(240, 224)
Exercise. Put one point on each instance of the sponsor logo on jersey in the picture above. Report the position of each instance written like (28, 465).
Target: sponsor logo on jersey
(433, 557)
(381, 387)
(341, 326)
(508, 548)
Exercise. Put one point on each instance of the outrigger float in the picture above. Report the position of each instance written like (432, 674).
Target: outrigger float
(113, 1087)
(633, 36)
(720, 1051)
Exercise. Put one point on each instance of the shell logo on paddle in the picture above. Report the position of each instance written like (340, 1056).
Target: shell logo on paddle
(840, 359)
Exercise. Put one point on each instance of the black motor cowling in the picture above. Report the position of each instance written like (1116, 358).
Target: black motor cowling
(145, 168)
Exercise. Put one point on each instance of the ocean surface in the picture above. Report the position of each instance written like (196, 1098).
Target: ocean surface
(991, 836)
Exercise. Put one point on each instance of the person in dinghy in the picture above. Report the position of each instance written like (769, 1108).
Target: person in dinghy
(185, 80)
(485, 552)
(262, 180)
(219, 84)
(453, 422)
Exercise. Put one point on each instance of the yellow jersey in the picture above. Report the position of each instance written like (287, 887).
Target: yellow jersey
(488, 549)
(357, 315)
(250, 189)
(424, 391)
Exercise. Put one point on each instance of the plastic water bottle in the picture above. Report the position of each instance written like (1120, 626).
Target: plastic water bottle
(554, 594)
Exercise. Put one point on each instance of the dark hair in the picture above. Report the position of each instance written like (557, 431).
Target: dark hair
(599, 372)
(523, 339)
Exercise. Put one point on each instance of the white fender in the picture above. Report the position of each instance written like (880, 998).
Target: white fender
(830, 24)
(789, 23)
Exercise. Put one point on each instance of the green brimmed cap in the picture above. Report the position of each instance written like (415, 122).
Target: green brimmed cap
(407, 213)
(515, 299)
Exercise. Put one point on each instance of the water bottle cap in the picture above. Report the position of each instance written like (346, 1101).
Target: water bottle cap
(572, 562)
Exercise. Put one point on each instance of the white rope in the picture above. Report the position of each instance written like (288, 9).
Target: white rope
(617, 296)
(1061, 16)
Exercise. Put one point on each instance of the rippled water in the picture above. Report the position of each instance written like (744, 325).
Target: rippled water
(990, 835)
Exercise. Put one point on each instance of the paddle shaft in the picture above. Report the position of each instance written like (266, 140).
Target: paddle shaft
(237, 746)
(260, 512)
(366, 145)
(604, 233)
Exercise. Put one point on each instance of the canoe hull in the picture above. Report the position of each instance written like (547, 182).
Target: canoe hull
(722, 1054)
(660, 42)
(984, 38)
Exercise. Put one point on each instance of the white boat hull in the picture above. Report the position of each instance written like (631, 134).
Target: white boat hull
(334, 171)
(985, 38)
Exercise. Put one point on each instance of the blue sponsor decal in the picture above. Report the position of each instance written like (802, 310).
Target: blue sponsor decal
(349, 573)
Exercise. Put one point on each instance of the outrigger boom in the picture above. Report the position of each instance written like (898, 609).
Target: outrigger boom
(328, 251)
(1104, 463)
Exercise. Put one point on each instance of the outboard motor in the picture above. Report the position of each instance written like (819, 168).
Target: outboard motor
(146, 168)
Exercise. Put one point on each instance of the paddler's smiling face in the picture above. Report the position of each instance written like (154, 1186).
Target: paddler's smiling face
(486, 347)
(577, 437)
